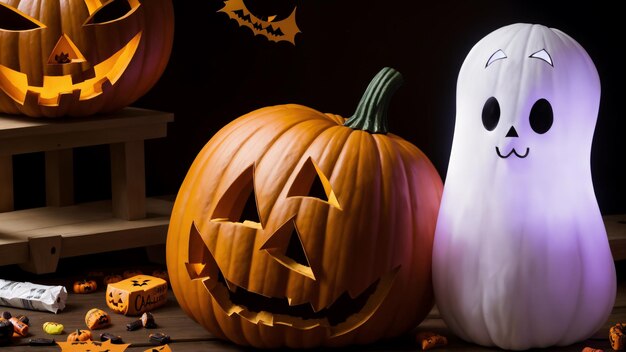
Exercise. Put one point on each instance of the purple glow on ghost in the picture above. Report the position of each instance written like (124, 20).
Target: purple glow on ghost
(521, 259)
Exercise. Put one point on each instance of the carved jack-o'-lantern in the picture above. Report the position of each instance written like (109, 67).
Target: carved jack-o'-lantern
(337, 246)
(80, 57)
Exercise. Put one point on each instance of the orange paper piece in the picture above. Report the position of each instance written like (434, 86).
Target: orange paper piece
(275, 31)
(91, 346)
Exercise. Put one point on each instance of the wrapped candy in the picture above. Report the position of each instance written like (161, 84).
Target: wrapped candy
(31, 296)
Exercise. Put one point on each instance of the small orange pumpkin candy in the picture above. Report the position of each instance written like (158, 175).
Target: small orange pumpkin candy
(97, 319)
(79, 335)
(295, 228)
(85, 286)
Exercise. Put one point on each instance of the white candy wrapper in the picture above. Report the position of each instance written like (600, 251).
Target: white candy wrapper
(31, 296)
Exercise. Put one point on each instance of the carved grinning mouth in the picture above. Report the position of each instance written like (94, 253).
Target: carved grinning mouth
(513, 151)
(345, 314)
(58, 88)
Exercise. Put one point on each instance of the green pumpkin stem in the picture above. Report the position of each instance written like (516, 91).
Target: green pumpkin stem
(371, 113)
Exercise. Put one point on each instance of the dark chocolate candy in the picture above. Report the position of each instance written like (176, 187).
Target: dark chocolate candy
(159, 338)
(147, 319)
(41, 342)
(116, 340)
(135, 325)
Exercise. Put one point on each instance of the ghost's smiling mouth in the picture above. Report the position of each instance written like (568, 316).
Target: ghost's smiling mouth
(513, 151)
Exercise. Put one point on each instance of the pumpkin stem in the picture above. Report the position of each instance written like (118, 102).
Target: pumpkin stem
(371, 113)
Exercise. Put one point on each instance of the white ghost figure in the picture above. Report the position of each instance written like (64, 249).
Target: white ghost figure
(521, 257)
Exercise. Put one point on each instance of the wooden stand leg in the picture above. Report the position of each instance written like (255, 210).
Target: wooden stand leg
(44, 254)
(6, 183)
(59, 178)
(128, 180)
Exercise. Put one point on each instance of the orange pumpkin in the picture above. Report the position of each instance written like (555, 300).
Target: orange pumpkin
(85, 286)
(297, 228)
(79, 335)
(80, 57)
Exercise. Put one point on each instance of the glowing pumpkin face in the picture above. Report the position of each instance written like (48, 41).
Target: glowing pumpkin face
(80, 57)
(293, 229)
(520, 246)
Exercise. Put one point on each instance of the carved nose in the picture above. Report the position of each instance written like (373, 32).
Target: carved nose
(65, 52)
(512, 132)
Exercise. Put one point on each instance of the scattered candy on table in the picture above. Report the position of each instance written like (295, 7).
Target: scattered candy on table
(52, 328)
(97, 319)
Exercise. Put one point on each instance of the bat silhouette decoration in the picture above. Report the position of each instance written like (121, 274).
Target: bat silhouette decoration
(275, 31)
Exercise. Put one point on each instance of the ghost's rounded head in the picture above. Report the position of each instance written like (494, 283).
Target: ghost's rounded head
(527, 95)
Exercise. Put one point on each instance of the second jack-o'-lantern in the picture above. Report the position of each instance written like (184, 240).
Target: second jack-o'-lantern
(521, 257)
(297, 228)
(80, 57)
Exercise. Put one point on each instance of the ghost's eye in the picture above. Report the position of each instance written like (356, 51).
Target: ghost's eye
(13, 20)
(491, 114)
(541, 116)
(114, 10)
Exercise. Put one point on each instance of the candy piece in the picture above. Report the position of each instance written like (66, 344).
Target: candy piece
(79, 335)
(134, 325)
(591, 349)
(52, 328)
(159, 338)
(116, 340)
(31, 296)
(97, 319)
(617, 337)
(24, 319)
(85, 286)
(19, 327)
(6, 315)
(147, 320)
(6, 331)
(136, 295)
(41, 342)
(429, 340)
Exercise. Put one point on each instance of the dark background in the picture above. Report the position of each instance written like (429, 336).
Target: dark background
(219, 71)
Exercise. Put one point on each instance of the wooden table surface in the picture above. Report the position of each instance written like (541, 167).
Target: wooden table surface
(188, 336)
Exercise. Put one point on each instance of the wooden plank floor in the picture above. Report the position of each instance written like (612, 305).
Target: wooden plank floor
(188, 336)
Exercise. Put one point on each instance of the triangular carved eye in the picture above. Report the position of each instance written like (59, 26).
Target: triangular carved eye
(201, 263)
(12, 19)
(311, 182)
(285, 245)
(238, 204)
(112, 10)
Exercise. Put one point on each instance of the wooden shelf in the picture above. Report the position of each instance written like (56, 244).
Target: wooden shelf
(616, 231)
(37, 238)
